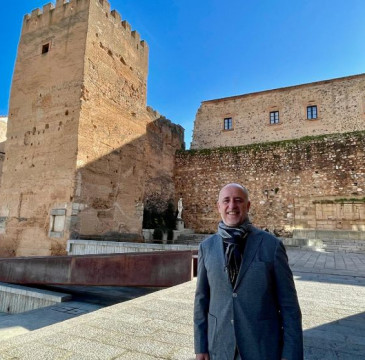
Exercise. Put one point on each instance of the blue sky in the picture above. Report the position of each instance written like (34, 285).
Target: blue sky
(207, 49)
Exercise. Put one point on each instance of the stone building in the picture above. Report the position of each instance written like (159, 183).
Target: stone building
(324, 107)
(83, 151)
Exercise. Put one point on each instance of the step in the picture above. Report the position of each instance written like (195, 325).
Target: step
(329, 234)
(17, 299)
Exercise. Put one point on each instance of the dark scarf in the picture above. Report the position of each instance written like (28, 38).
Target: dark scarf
(234, 242)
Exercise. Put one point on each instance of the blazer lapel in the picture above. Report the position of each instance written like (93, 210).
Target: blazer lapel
(219, 250)
(252, 245)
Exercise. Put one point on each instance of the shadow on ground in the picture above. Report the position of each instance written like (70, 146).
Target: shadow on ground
(343, 339)
(85, 299)
(103, 295)
(331, 279)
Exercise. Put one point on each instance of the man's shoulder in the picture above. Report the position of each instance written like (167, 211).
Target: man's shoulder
(210, 240)
(255, 232)
(266, 236)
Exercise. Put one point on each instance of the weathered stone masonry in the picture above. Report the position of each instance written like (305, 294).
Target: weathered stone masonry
(3, 127)
(340, 105)
(83, 151)
(313, 182)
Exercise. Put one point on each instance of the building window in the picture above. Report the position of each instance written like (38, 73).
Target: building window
(45, 48)
(228, 124)
(312, 112)
(274, 117)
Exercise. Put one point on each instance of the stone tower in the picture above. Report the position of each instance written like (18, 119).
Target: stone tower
(79, 152)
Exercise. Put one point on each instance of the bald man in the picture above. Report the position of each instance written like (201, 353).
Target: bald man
(246, 305)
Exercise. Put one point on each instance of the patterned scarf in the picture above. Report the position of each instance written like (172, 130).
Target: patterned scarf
(234, 242)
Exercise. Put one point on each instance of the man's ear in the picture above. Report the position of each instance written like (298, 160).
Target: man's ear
(248, 205)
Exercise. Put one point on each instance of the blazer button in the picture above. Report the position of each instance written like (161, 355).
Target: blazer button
(232, 321)
(234, 294)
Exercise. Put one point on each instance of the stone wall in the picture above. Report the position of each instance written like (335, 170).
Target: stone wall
(313, 182)
(329, 213)
(3, 128)
(83, 149)
(112, 128)
(42, 145)
(2, 157)
(114, 189)
(124, 147)
(340, 104)
(163, 140)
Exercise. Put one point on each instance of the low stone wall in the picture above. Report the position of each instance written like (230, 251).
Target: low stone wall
(328, 234)
(326, 240)
(17, 299)
(88, 247)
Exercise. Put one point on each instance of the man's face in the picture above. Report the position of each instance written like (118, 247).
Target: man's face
(233, 205)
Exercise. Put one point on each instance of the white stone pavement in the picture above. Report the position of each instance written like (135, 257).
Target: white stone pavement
(159, 325)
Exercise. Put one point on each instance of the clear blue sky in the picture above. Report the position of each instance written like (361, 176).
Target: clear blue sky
(206, 49)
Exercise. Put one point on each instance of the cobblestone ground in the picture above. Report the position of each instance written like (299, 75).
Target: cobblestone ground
(331, 290)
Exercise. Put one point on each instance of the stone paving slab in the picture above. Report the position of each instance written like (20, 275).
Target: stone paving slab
(159, 325)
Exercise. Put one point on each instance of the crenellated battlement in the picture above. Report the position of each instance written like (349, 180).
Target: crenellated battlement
(115, 14)
(124, 25)
(154, 114)
(105, 5)
(51, 13)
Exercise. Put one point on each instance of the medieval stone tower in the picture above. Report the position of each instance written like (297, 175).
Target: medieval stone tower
(83, 150)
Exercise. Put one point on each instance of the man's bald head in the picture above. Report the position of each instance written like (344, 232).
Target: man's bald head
(245, 191)
(233, 204)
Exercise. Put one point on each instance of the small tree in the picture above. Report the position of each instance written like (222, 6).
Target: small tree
(169, 217)
(157, 234)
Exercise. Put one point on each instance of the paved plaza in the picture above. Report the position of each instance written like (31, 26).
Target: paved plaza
(331, 289)
(327, 263)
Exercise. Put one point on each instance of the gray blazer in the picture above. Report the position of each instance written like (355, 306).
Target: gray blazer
(260, 315)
